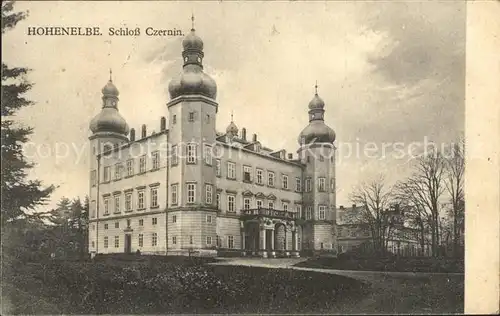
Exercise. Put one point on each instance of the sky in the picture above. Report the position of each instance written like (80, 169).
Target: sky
(390, 73)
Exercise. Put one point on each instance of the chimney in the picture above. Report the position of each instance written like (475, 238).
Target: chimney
(290, 156)
(163, 124)
(132, 134)
(143, 131)
(244, 134)
(342, 207)
(354, 206)
(254, 138)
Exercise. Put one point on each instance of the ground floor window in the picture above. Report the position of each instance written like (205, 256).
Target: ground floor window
(154, 239)
(209, 240)
(117, 241)
(230, 242)
(141, 240)
(106, 242)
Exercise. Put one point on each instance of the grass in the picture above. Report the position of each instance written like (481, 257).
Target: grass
(162, 287)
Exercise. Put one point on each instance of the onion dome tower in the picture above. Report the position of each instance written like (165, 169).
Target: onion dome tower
(192, 80)
(109, 121)
(232, 129)
(317, 131)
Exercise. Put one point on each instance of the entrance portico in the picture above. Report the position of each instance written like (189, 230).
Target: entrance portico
(269, 233)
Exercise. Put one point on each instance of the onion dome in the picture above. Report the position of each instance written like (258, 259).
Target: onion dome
(316, 103)
(232, 129)
(192, 80)
(109, 119)
(317, 131)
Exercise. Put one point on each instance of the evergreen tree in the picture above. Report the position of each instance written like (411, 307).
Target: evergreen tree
(20, 196)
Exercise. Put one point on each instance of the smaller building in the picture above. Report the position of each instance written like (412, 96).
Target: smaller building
(356, 235)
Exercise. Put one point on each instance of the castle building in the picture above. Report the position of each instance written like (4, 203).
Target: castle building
(190, 189)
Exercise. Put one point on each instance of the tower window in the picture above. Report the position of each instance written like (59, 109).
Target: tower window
(191, 116)
(174, 155)
(191, 153)
(174, 119)
(174, 194)
(191, 191)
(321, 184)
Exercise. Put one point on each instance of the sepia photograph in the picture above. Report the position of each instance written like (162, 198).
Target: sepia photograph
(235, 157)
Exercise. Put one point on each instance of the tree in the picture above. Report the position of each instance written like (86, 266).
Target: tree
(375, 199)
(423, 191)
(455, 171)
(20, 196)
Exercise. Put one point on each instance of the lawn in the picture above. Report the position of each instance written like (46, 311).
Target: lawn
(159, 287)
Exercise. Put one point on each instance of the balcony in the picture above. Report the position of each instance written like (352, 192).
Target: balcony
(256, 212)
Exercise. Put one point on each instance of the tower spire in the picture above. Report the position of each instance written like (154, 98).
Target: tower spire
(316, 87)
(110, 75)
(192, 21)
(232, 116)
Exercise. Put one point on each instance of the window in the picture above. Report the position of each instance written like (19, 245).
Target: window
(231, 170)
(107, 174)
(322, 212)
(308, 185)
(105, 226)
(218, 200)
(298, 184)
(140, 199)
(270, 178)
(141, 240)
(218, 242)
(93, 178)
(106, 242)
(209, 218)
(259, 203)
(191, 239)
(207, 119)
(321, 184)
(174, 240)
(118, 171)
(106, 206)
(321, 158)
(174, 194)
(117, 224)
(260, 176)
(230, 242)
(93, 244)
(128, 202)
(141, 222)
(191, 153)
(117, 241)
(154, 197)
(218, 168)
(174, 218)
(128, 223)
(155, 157)
(142, 164)
(191, 116)
(298, 210)
(154, 220)
(230, 203)
(208, 193)
(247, 173)
(285, 206)
(246, 203)
(154, 239)
(285, 182)
(117, 204)
(332, 185)
(308, 212)
(93, 209)
(174, 119)
(130, 167)
(308, 159)
(208, 154)
(191, 191)
(175, 159)
(271, 205)
(209, 240)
